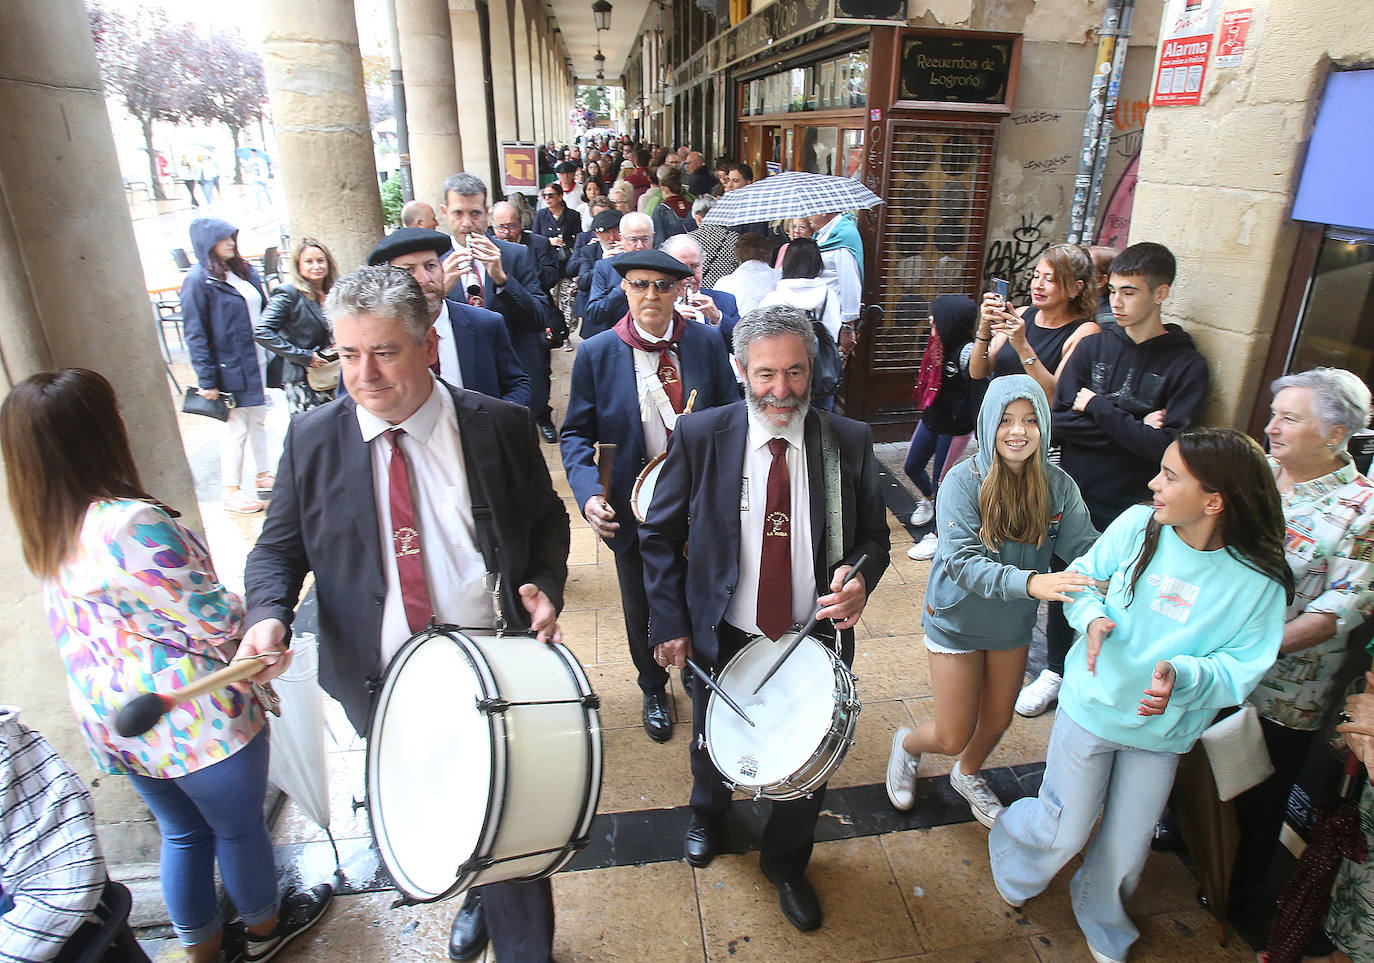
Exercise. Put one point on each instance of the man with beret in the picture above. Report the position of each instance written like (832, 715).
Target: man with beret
(475, 351)
(606, 304)
(603, 242)
(629, 386)
(572, 191)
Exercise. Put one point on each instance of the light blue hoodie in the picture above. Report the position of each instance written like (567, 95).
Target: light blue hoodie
(1218, 621)
(976, 597)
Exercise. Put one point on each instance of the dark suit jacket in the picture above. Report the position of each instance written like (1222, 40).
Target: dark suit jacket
(546, 266)
(603, 406)
(486, 355)
(323, 519)
(607, 303)
(701, 478)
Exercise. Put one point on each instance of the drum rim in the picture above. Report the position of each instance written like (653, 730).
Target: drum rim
(496, 778)
(826, 747)
(639, 483)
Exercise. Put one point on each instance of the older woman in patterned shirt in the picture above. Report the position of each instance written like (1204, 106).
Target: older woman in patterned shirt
(1329, 509)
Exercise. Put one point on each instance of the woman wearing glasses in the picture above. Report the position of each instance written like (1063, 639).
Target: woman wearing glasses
(561, 225)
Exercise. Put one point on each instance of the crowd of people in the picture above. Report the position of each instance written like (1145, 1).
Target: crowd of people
(1186, 571)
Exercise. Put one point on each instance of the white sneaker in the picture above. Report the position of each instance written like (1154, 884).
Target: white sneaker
(1038, 696)
(924, 550)
(901, 773)
(981, 799)
(925, 511)
(1102, 957)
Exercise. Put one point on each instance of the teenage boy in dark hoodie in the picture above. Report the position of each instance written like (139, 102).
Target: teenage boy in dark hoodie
(1123, 397)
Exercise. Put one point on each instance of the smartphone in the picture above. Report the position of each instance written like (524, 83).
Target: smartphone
(1001, 288)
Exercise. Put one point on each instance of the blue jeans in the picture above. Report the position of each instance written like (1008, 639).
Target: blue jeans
(1034, 838)
(214, 813)
(925, 443)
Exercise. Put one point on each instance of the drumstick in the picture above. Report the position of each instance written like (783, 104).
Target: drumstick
(142, 713)
(808, 628)
(710, 684)
(691, 400)
(605, 459)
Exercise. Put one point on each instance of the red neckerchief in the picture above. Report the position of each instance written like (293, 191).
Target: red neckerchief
(668, 372)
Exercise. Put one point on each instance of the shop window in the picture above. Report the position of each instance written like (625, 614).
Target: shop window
(818, 148)
(1336, 326)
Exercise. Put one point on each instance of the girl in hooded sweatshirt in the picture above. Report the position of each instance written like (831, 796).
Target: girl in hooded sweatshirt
(1185, 617)
(801, 287)
(221, 299)
(1001, 515)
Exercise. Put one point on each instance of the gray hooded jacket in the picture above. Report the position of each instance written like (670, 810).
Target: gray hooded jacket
(976, 597)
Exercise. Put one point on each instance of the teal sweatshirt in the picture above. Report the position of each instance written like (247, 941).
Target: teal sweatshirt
(1218, 621)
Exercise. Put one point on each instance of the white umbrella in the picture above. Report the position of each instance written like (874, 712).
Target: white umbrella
(297, 767)
(791, 194)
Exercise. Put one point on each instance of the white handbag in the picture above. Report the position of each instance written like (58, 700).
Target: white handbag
(1236, 752)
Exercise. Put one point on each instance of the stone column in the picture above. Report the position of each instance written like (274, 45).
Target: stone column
(469, 71)
(524, 69)
(72, 295)
(436, 148)
(503, 68)
(324, 140)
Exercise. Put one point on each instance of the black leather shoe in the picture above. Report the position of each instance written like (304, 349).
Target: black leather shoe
(799, 903)
(700, 846)
(657, 722)
(468, 936)
(549, 432)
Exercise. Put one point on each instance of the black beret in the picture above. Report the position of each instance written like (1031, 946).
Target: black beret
(606, 220)
(406, 240)
(652, 260)
(566, 167)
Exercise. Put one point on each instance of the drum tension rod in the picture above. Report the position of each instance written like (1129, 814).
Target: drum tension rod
(491, 706)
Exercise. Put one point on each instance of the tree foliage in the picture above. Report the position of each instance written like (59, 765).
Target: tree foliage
(230, 88)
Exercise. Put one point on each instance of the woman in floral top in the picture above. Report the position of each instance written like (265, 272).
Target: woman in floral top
(136, 607)
(1328, 507)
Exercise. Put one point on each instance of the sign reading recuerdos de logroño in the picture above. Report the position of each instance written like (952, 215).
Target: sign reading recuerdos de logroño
(955, 70)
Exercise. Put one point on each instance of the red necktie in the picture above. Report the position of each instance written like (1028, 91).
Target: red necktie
(775, 561)
(405, 539)
(667, 373)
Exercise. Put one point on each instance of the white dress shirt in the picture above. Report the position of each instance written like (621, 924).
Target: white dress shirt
(454, 569)
(647, 387)
(449, 368)
(842, 274)
(743, 610)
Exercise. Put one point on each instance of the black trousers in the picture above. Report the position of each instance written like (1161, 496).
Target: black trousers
(1058, 632)
(634, 602)
(1260, 811)
(519, 918)
(789, 834)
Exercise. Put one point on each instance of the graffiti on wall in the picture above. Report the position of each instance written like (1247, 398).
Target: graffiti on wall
(1014, 256)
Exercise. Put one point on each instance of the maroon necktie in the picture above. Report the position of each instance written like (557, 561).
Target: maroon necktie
(667, 375)
(405, 539)
(775, 561)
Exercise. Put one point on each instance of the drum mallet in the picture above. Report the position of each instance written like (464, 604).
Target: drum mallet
(142, 713)
(711, 684)
(808, 628)
(605, 459)
(691, 400)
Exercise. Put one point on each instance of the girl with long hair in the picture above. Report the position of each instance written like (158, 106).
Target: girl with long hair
(1185, 617)
(1001, 514)
(294, 329)
(134, 601)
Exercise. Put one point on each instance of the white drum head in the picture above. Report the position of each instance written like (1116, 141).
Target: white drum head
(643, 495)
(430, 766)
(793, 712)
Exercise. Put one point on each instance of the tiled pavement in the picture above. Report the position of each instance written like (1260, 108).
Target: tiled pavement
(894, 887)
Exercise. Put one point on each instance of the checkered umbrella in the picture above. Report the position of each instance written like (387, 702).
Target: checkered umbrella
(791, 194)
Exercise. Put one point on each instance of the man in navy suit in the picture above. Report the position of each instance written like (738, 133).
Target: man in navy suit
(474, 349)
(716, 308)
(714, 585)
(480, 495)
(628, 387)
(607, 304)
(501, 277)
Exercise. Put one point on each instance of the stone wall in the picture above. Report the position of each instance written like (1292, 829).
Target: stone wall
(1217, 183)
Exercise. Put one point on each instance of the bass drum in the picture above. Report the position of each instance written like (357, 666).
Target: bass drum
(642, 495)
(483, 761)
(805, 718)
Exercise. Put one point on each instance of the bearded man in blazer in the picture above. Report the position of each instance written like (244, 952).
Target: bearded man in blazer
(476, 477)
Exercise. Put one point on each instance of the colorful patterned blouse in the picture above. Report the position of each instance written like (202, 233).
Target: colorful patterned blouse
(138, 608)
(1330, 548)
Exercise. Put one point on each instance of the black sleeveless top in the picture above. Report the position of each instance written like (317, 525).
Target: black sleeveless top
(1047, 342)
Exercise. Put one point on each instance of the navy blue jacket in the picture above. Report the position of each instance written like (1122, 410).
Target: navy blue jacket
(219, 335)
(485, 355)
(585, 256)
(606, 304)
(603, 406)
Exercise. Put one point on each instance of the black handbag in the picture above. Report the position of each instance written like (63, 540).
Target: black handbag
(197, 404)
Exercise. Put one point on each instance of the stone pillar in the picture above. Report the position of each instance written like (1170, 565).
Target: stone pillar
(524, 69)
(324, 140)
(436, 149)
(469, 70)
(72, 295)
(503, 72)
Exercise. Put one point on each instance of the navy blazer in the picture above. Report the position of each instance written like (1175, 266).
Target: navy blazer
(607, 304)
(519, 302)
(485, 355)
(701, 479)
(323, 519)
(603, 406)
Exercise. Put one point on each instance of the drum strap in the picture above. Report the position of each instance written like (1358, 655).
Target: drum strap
(834, 511)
